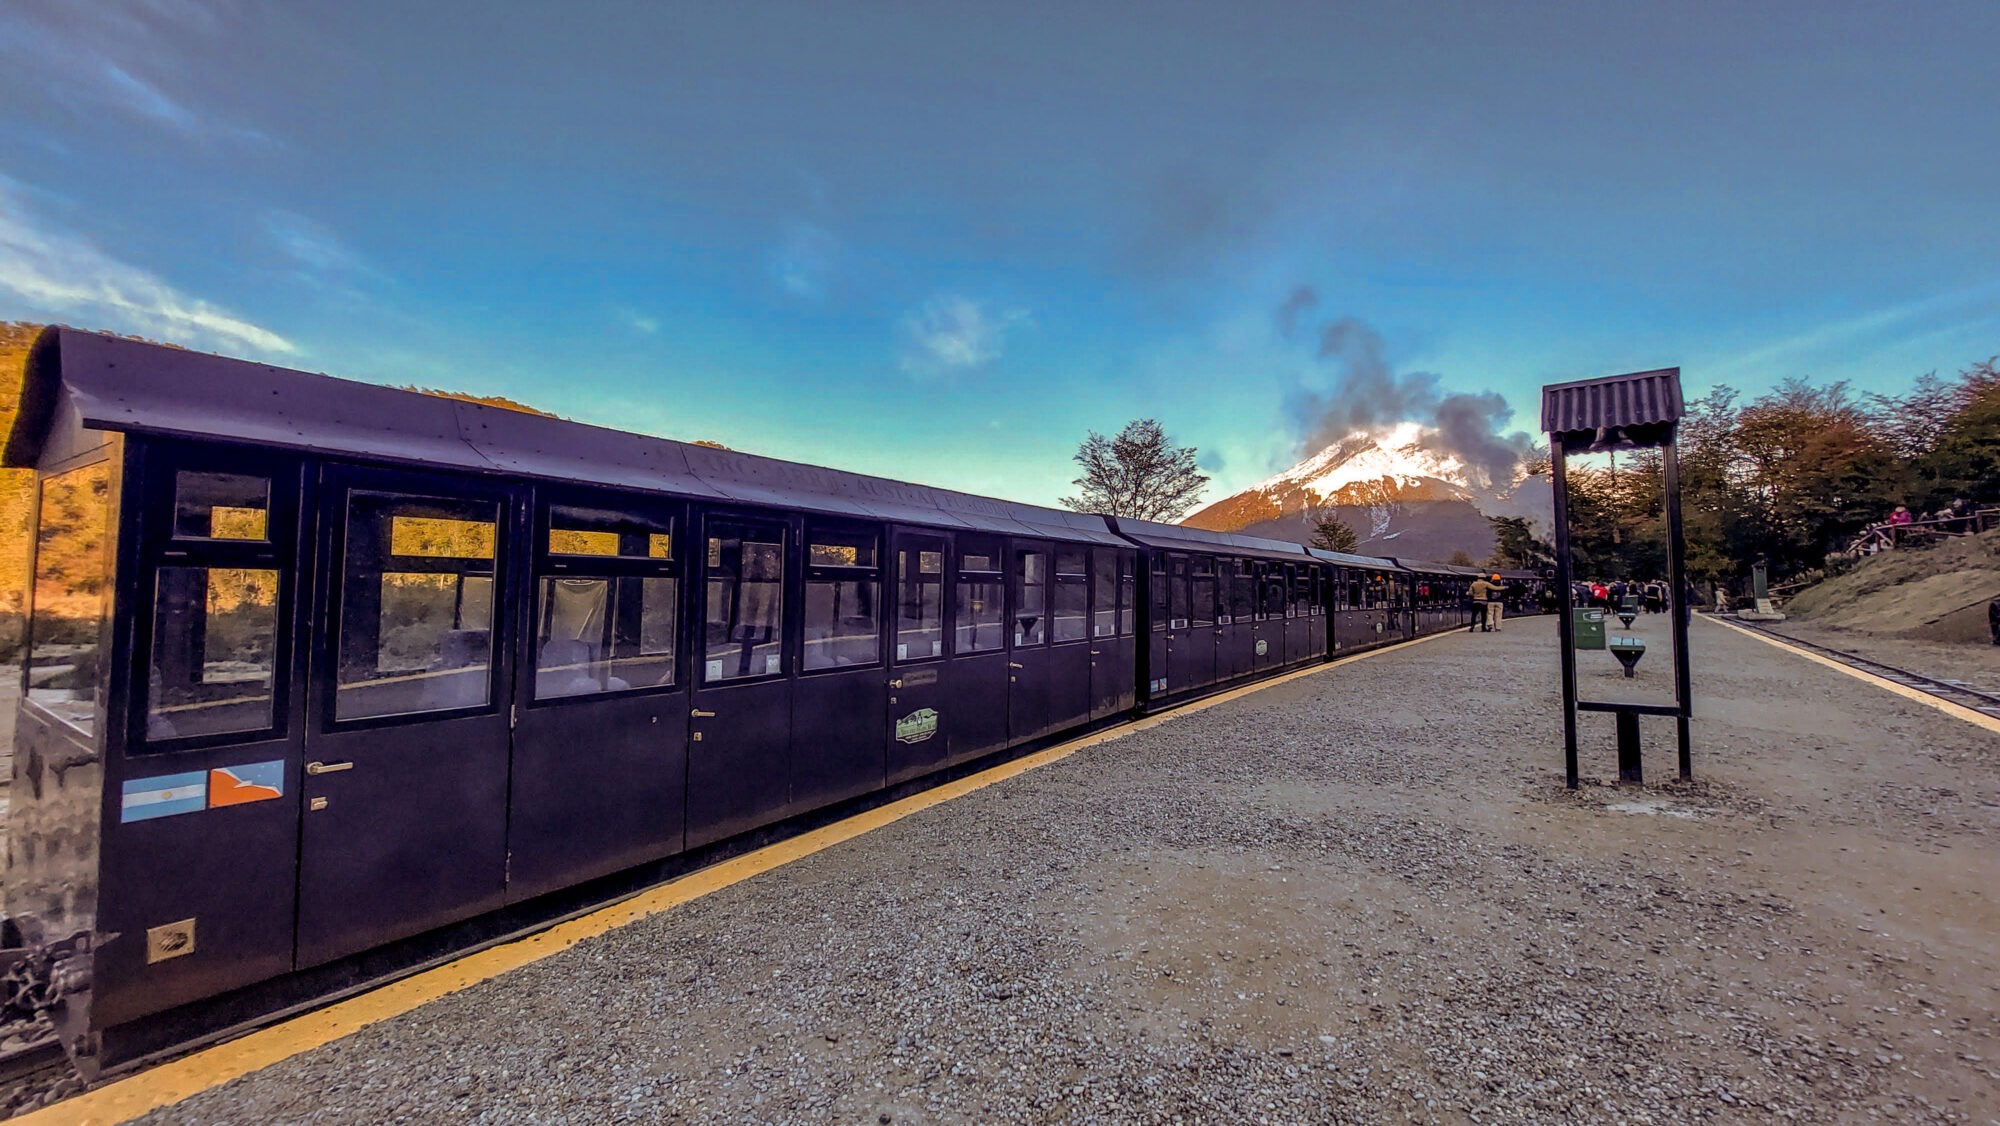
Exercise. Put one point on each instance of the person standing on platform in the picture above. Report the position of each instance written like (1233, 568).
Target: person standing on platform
(1496, 608)
(1480, 590)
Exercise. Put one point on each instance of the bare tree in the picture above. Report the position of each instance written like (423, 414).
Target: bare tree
(1331, 533)
(1139, 473)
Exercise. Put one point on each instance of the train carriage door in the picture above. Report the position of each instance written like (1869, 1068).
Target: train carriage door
(1028, 714)
(1113, 588)
(1069, 636)
(600, 738)
(840, 694)
(921, 708)
(977, 675)
(1159, 630)
(740, 717)
(407, 740)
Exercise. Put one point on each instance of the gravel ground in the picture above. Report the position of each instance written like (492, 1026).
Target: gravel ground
(1360, 897)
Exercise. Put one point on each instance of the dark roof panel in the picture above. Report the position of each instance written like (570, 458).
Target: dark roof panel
(126, 385)
(1639, 399)
(1345, 559)
(1179, 537)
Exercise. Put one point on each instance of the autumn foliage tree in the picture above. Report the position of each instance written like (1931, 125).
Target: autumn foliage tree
(1139, 473)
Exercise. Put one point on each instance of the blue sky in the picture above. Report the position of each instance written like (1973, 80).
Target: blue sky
(940, 241)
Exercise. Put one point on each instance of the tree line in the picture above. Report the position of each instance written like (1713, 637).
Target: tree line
(1787, 477)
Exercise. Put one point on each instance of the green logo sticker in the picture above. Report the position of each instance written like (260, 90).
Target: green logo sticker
(1263, 647)
(918, 726)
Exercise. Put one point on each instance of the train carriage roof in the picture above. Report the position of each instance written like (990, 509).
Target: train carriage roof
(1179, 537)
(1372, 562)
(1430, 568)
(125, 385)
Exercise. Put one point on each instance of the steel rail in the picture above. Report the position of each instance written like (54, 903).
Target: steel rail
(1964, 695)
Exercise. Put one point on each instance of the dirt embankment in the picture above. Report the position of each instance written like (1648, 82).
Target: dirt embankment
(1930, 594)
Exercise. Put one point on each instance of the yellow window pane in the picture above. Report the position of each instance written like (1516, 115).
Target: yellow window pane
(439, 537)
(236, 523)
(572, 541)
(660, 546)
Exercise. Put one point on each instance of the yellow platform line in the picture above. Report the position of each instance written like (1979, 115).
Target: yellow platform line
(1956, 711)
(196, 1072)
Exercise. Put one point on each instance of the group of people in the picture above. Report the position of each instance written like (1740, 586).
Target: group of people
(1648, 597)
(1957, 517)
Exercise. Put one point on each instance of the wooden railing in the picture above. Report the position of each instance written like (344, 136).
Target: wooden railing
(1885, 537)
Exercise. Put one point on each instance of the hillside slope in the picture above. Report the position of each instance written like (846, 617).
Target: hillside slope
(1937, 593)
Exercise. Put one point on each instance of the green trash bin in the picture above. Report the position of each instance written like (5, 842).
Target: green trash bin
(1589, 627)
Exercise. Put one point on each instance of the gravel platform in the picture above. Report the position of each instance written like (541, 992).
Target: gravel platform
(1363, 896)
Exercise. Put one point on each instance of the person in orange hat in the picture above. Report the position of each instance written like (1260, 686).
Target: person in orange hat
(1494, 606)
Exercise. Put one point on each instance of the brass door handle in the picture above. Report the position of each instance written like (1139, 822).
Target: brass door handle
(895, 684)
(328, 767)
(699, 714)
(1012, 665)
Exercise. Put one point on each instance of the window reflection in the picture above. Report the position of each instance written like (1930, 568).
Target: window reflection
(745, 601)
(1031, 585)
(70, 595)
(981, 605)
(215, 639)
(843, 614)
(221, 506)
(417, 605)
(920, 600)
(605, 634)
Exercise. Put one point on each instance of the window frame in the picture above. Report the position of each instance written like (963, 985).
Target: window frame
(791, 612)
(1017, 581)
(547, 564)
(833, 572)
(993, 546)
(160, 465)
(1058, 578)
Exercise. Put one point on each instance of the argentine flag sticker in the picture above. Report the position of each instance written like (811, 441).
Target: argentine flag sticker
(147, 798)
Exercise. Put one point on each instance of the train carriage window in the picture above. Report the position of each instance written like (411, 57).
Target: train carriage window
(605, 533)
(981, 621)
(920, 598)
(1031, 594)
(606, 632)
(1103, 592)
(1201, 590)
(417, 605)
(1177, 591)
(743, 631)
(215, 639)
(1070, 612)
(221, 506)
(1159, 596)
(1128, 593)
(1242, 580)
(1301, 594)
(71, 586)
(843, 590)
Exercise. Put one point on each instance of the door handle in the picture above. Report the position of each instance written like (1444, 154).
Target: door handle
(1012, 665)
(328, 767)
(895, 684)
(699, 714)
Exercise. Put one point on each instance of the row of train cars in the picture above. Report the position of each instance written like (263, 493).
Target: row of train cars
(327, 679)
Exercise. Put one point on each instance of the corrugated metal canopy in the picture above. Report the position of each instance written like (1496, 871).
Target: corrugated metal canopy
(128, 385)
(1346, 560)
(1643, 398)
(1178, 537)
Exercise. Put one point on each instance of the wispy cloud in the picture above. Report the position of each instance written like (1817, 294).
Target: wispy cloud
(951, 333)
(61, 275)
(803, 260)
(147, 100)
(314, 246)
(1876, 330)
(639, 322)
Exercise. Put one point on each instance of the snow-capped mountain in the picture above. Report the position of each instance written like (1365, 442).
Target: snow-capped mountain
(1401, 496)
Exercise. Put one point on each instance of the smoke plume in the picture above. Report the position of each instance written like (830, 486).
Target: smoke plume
(1367, 396)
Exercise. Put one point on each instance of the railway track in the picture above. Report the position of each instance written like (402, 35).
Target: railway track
(1958, 692)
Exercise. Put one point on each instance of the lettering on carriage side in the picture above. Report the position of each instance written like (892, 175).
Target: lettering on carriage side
(143, 799)
(918, 726)
(241, 785)
(914, 678)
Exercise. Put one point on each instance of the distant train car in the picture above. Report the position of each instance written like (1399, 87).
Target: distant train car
(1224, 608)
(1368, 603)
(1440, 595)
